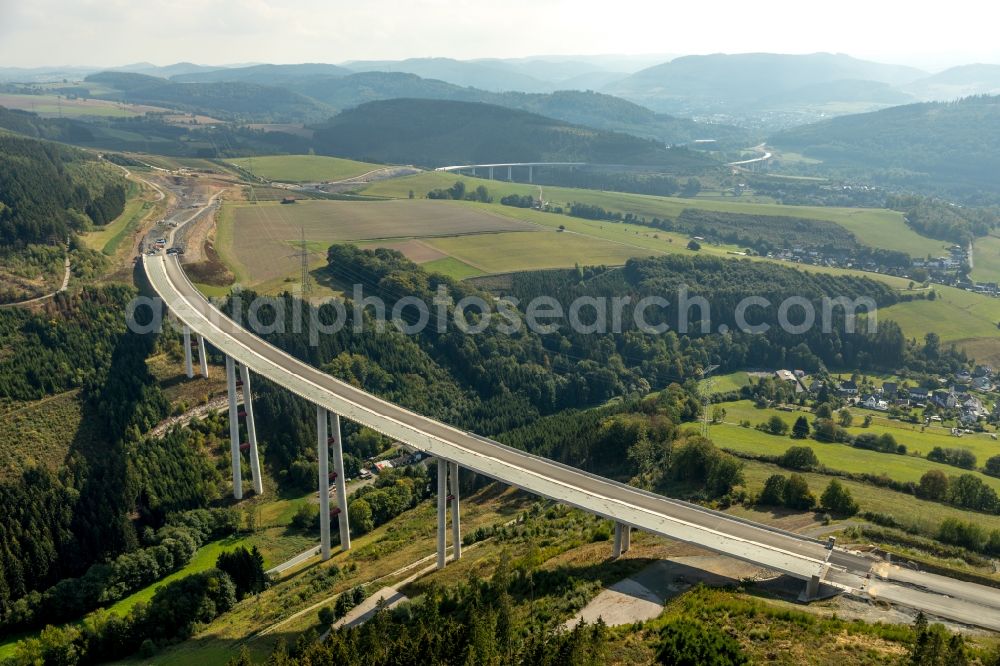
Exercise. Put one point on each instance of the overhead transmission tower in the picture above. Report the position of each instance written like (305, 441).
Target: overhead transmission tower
(253, 195)
(303, 255)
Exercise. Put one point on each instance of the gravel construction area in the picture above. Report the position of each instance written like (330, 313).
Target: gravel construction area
(641, 597)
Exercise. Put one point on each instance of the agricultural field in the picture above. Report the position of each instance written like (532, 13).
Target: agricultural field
(874, 227)
(63, 107)
(524, 250)
(904, 507)
(734, 381)
(846, 458)
(259, 243)
(304, 168)
(986, 256)
(955, 315)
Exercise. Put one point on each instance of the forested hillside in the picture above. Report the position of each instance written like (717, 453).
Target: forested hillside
(936, 219)
(434, 132)
(948, 147)
(48, 191)
(589, 108)
(228, 100)
(58, 521)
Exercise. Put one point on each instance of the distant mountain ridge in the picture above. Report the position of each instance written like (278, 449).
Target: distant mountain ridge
(956, 82)
(722, 82)
(434, 133)
(226, 100)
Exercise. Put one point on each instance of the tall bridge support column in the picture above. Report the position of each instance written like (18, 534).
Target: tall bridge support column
(491, 173)
(510, 174)
(617, 550)
(322, 448)
(341, 480)
(531, 174)
(203, 357)
(188, 370)
(456, 519)
(626, 538)
(442, 512)
(258, 482)
(234, 429)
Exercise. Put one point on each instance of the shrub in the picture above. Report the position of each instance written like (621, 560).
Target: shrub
(960, 533)
(801, 428)
(305, 518)
(837, 498)
(685, 641)
(933, 485)
(797, 494)
(774, 491)
(799, 457)
(992, 466)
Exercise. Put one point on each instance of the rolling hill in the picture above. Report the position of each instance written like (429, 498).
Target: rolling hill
(952, 145)
(227, 100)
(958, 82)
(494, 77)
(265, 75)
(724, 83)
(436, 132)
(584, 108)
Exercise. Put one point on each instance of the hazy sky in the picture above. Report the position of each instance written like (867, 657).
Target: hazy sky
(116, 32)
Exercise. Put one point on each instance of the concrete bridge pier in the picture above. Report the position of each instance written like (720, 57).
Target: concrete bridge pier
(510, 174)
(188, 370)
(341, 481)
(491, 173)
(322, 449)
(456, 519)
(531, 174)
(203, 357)
(442, 545)
(234, 429)
(623, 540)
(258, 482)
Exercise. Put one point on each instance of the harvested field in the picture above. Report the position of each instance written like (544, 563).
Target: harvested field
(519, 251)
(415, 250)
(260, 242)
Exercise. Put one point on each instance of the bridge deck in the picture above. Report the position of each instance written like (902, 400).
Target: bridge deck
(774, 549)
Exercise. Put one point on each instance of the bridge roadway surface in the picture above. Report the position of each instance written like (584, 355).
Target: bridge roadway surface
(793, 554)
(774, 549)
